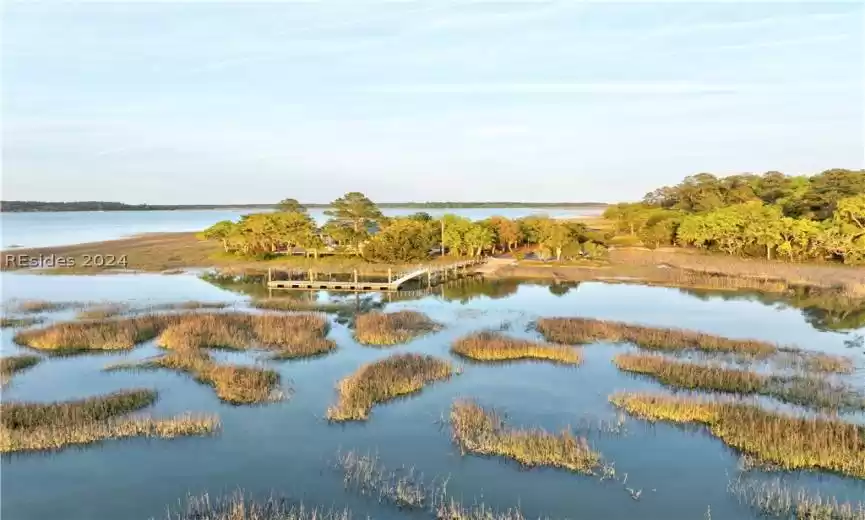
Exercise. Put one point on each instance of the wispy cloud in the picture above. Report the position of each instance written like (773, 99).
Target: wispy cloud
(598, 87)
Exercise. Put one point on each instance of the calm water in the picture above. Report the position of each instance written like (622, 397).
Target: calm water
(286, 448)
(75, 227)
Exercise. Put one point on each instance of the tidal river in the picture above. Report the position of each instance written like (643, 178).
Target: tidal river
(288, 448)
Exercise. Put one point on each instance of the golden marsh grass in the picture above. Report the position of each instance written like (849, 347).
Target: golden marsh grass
(787, 441)
(25, 415)
(289, 335)
(28, 426)
(384, 380)
(59, 436)
(11, 365)
(385, 329)
(484, 432)
(83, 336)
(584, 330)
(233, 383)
(493, 346)
(802, 390)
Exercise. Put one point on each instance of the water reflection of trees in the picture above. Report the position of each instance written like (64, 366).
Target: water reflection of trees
(823, 309)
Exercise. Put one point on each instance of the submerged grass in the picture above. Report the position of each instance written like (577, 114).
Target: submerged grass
(290, 336)
(384, 380)
(240, 507)
(233, 383)
(50, 426)
(787, 441)
(493, 346)
(11, 365)
(385, 329)
(408, 490)
(802, 390)
(482, 431)
(291, 304)
(584, 330)
(37, 306)
(773, 499)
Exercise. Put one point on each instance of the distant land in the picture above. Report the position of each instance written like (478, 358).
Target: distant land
(18, 206)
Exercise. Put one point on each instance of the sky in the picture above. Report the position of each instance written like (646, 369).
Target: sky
(222, 103)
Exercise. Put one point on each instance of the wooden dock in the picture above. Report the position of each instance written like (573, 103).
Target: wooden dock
(433, 275)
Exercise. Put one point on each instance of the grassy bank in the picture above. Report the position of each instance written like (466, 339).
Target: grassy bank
(287, 335)
(806, 391)
(384, 380)
(482, 431)
(787, 441)
(391, 328)
(492, 346)
(584, 330)
(11, 365)
(51, 426)
(233, 384)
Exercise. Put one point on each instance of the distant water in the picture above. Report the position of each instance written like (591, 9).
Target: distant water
(76, 227)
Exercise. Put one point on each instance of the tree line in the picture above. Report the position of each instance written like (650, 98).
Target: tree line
(356, 226)
(773, 215)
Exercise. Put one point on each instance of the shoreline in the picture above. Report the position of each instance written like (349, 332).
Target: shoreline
(162, 252)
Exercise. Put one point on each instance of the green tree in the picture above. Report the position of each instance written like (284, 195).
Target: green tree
(507, 234)
(404, 240)
(356, 210)
(291, 206)
(219, 231)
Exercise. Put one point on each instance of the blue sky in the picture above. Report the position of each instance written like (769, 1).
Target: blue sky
(540, 101)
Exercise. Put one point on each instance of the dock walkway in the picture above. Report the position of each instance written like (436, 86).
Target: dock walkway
(434, 274)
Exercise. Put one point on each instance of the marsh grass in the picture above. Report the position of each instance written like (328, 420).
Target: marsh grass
(787, 441)
(289, 336)
(59, 436)
(18, 322)
(51, 426)
(38, 306)
(481, 431)
(493, 346)
(82, 336)
(102, 311)
(290, 304)
(11, 365)
(240, 507)
(404, 487)
(808, 391)
(773, 499)
(25, 415)
(584, 330)
(385, 329)
(408, 490)
(233, 383)
(383, 380)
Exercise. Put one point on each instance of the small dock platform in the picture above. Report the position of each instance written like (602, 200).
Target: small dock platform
(433, 275)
